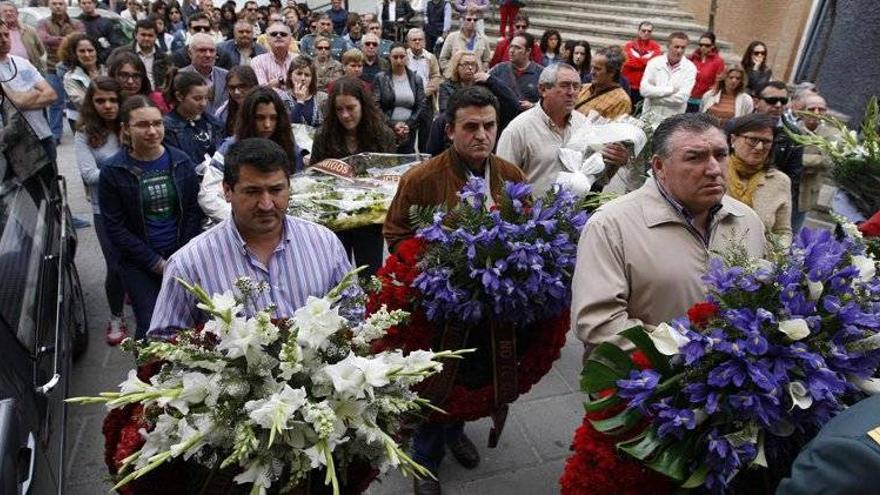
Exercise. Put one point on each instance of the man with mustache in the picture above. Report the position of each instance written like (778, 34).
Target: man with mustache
(641, 257)
(293, 257)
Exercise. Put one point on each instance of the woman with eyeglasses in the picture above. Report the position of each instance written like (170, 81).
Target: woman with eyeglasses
(750, 178)
(401, 95)
(189, 127)
(465, 71)
(709, 65)
(729, 98)
(147, 195)
(306, 99)
(129, 71)
(96, 140)
(754, 61)
(80, 55)
(353, 124)
(240, 81)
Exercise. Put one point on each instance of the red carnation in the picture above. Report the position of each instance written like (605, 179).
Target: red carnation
(700, 313)
(641, 360)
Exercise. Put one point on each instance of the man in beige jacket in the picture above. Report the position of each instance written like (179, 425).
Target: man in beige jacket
(641, 257)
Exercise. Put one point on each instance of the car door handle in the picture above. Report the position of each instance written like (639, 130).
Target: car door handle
(48, 386)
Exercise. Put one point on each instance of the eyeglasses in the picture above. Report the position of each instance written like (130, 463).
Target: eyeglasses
(200, 29)
(817, 109)
(468, 65)
(279, 34)
(129, 76)
(755, 141)
(370, 43)
(251, 9)
(521, 26)
(470, 19)
(774, 100)
(322, 48)
(235, 88)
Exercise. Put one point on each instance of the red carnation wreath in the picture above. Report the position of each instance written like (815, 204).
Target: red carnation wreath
(595, 468)
(463, 403)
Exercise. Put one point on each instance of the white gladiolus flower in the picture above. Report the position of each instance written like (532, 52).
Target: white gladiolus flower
(815, 289)
(357, 375)
(261, 475)
(795, 329)
(274, 412)
(800, 396)
(133, 384)
(667, 339)
(225, 303)
(867, 267)
(196, 387)
(316, 321)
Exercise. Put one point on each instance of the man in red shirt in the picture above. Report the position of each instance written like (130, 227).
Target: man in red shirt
(521, 25)
(638, 52)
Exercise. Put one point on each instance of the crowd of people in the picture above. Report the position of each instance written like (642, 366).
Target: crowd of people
(199, 84)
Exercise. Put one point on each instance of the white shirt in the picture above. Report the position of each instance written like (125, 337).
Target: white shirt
(667, 89)
(21, 75)
(148, 61)
(531, 141)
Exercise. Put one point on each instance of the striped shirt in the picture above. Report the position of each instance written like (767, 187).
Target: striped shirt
(309, 261)
(268, 69)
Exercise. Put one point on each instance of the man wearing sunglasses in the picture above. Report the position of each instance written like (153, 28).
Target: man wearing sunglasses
(325, 29)
(467, 39)
(638, 52)
(373, 63)
(199, 23)
(241, 49)
(788, 157)
(502, 53)
(271, 68)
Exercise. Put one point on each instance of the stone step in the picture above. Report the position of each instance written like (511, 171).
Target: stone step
(629, 4)
(620, 10)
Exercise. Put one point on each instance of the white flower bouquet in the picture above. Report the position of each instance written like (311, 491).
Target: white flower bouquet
(275, 401)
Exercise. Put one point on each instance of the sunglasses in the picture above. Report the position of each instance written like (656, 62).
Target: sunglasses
(470, 19)
(773, 100)
(521, 26)
(322, 48)
(201, 29)
(251, 10)
(278, 34)
(370, 43)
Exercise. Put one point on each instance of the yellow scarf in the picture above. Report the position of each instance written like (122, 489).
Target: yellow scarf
(743, 179)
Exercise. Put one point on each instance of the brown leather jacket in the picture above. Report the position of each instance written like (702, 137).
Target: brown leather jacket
(437, 181)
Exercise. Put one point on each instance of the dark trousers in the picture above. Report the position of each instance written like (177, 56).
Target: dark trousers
(113, 287)
(143, 289)
(366, 243)
(636, 98)
(429, 442)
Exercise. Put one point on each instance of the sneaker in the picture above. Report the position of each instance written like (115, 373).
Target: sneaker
(116, 332)
(81, 223)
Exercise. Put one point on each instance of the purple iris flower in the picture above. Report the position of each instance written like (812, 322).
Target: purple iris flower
(721, 278)
(638, 388)
(673, 422)
(473, 193)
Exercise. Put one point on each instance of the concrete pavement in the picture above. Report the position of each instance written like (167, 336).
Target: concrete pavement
(527, 461)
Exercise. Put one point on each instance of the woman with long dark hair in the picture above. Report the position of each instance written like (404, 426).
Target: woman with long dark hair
(148, 197)
(353, 123)
(307, 101)
(228, 18)
(240, 81)
(80, 55)
(580, 57)
(754, 61)
(551, 45)
(130, 72)
(189, 127)
(95, 141)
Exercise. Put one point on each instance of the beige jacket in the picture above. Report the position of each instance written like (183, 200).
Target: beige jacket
(639, 264)
(817, 167)
(456, 42)
(772, 202)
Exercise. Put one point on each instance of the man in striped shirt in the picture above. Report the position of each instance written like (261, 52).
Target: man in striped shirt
(295, 258)
(271, 68)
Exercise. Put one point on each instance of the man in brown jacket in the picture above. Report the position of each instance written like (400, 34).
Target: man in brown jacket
(641, 257)
(472, 124)
(472, 116)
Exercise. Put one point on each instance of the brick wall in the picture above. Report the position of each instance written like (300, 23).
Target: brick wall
(779, 24)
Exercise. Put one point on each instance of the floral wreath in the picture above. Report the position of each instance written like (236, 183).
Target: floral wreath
(463, 403)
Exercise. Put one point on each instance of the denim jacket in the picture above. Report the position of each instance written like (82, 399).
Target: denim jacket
(181, 135)
(119, 185)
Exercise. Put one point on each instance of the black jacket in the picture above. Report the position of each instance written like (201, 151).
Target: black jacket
(107, 36)
(384, 91)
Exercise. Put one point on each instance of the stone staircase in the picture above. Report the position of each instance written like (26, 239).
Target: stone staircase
(611, 22)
